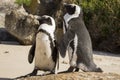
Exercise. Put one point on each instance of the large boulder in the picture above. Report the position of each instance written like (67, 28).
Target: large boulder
(5, 7)
(21, 25)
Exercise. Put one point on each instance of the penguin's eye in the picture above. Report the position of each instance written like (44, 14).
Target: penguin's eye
(48, 20)
(72, 6)
(71, 9)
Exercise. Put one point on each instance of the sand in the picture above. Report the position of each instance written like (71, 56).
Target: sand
(14, 61)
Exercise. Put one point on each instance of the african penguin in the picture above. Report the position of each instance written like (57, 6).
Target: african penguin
(44, 48)
(77, 41)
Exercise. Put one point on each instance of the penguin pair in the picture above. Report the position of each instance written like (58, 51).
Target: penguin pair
(77, 41)
(44, 48)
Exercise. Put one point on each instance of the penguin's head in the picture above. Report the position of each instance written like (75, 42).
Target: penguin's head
(72, 8)
(46, 22)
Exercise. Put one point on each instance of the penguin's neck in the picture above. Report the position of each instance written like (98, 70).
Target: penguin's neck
(48, 28)
(68, 17)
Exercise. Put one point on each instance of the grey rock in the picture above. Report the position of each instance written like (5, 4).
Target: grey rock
(7, 5)
(21, 25)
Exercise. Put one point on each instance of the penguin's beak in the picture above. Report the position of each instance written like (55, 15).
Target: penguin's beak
(38, 17)
(65, 5)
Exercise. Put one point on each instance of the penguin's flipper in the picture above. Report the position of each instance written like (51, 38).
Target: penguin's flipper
(55, 57)
(31, 53)
(67, 38)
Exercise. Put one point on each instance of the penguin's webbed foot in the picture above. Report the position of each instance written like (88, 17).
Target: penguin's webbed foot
(91, 69)
(70, 69)
(34, 73)
(77, 69)
(98, 70)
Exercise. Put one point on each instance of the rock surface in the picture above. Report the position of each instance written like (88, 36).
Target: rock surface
(7, 5)
(76, 76)
(2, 20)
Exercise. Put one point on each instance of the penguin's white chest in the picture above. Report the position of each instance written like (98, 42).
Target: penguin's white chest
(43, 53)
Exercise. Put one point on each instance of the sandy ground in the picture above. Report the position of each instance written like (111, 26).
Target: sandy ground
(14, 63)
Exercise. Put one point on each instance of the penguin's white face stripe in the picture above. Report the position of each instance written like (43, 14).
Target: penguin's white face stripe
(78, 9)
(68, 17)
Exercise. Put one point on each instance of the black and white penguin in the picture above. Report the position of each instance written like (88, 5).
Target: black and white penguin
(44, 48)
(77, 41)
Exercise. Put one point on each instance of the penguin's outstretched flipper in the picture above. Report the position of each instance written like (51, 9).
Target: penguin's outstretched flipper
(63, 44)
(31, 53)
